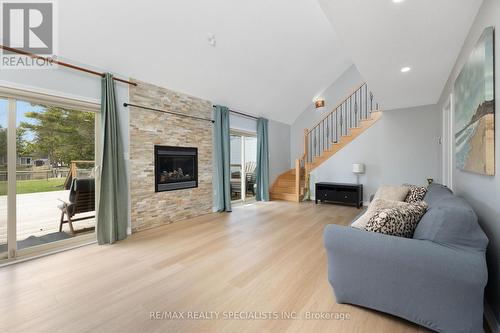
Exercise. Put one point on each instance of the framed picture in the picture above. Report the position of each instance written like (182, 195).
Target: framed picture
(474, 105)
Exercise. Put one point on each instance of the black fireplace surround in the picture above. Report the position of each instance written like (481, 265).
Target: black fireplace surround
(175, 168)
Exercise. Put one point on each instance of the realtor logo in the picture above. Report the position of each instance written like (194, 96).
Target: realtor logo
(29, 27)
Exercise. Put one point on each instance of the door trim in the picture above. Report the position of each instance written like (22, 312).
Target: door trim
(11, 180)
(32, 95)
(448, 143)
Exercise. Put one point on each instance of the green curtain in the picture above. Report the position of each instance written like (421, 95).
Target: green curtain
(222, 179)
(112, 207)
(262, 168)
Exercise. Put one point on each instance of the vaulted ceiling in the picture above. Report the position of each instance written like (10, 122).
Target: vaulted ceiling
(383, 36)
(270, 57)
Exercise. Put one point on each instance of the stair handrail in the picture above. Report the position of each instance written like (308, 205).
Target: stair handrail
(353, 91)
(357, 106)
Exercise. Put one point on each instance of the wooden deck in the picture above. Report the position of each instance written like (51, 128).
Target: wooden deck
(37, 215)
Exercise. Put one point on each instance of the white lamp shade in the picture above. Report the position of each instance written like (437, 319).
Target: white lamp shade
(358, 168)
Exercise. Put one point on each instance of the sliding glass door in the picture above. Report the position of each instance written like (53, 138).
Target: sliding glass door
(47, 176)
(243, 162)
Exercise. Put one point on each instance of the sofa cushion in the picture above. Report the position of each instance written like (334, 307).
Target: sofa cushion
(415, 194)
(396, 193)
(376, 205)
(436, 192)
(398, 221)
(452, 222)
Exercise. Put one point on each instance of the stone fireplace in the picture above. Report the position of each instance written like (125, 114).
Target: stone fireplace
(160, 145)
(176, 168)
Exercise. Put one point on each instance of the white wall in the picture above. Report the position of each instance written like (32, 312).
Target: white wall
(332, 95)
(70, 83)
(483, 192)
(402, 147)
(279, 149)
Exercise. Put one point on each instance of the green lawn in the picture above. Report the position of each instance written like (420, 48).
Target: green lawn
(33, 186)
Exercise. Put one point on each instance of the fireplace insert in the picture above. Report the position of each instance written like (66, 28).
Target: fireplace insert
(175, 168)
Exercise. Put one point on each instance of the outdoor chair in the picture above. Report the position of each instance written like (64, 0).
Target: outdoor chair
(250, 176)
(81, 200)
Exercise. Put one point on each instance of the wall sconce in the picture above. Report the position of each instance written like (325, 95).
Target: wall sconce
(319, 103)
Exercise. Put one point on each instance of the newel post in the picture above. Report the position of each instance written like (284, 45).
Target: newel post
(306, 145)
(307, 194)
(297, 180)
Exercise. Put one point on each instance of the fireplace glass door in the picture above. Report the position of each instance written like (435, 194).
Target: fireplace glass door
(175, 168)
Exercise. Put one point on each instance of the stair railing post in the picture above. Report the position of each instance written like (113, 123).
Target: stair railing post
(332, 126)
(356, 109)
(306, 145)
(371, 103)
(297, 179)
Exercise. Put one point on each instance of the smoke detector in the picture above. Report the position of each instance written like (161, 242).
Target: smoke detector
(211, 39)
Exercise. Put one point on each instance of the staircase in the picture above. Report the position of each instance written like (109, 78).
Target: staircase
(290, 185)
(356, 113)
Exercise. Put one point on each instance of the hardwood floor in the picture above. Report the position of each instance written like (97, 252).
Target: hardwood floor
(265, 257)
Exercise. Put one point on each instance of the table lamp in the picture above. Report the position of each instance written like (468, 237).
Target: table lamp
(358, 169)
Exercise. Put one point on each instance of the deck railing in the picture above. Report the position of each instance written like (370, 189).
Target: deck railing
(36, 175)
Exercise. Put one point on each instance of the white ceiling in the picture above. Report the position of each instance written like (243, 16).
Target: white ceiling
(271, 57)
(382, 37)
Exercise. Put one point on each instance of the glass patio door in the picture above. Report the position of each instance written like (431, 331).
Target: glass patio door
(243, 162)
(47, 176)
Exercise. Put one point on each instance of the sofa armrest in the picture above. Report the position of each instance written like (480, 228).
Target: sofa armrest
(415, 279)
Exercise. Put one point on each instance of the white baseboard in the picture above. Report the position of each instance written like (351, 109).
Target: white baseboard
(491, 320)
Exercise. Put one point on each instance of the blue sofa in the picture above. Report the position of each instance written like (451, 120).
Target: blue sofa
(435, 279)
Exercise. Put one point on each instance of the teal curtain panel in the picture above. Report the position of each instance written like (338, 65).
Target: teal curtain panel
(222, 174)
(112, 205)
(262, 169)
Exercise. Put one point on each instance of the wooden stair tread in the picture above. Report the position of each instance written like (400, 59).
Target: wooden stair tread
(283, 190)
(283, 196)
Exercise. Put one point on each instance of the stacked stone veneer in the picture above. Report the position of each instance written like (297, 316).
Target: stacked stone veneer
(150, 128)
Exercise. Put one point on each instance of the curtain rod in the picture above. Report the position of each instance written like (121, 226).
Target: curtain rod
(165, 111)
(241, 113)
(65, 64)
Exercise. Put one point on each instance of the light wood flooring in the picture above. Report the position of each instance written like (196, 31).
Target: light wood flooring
(265, 257)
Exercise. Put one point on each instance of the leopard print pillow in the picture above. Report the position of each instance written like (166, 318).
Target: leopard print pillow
(415, 193)
(398, 221)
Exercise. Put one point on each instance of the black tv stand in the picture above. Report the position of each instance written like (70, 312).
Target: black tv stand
(340, 193)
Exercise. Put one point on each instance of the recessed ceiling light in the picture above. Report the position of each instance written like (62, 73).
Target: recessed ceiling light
(397, 1)
(405, 69)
